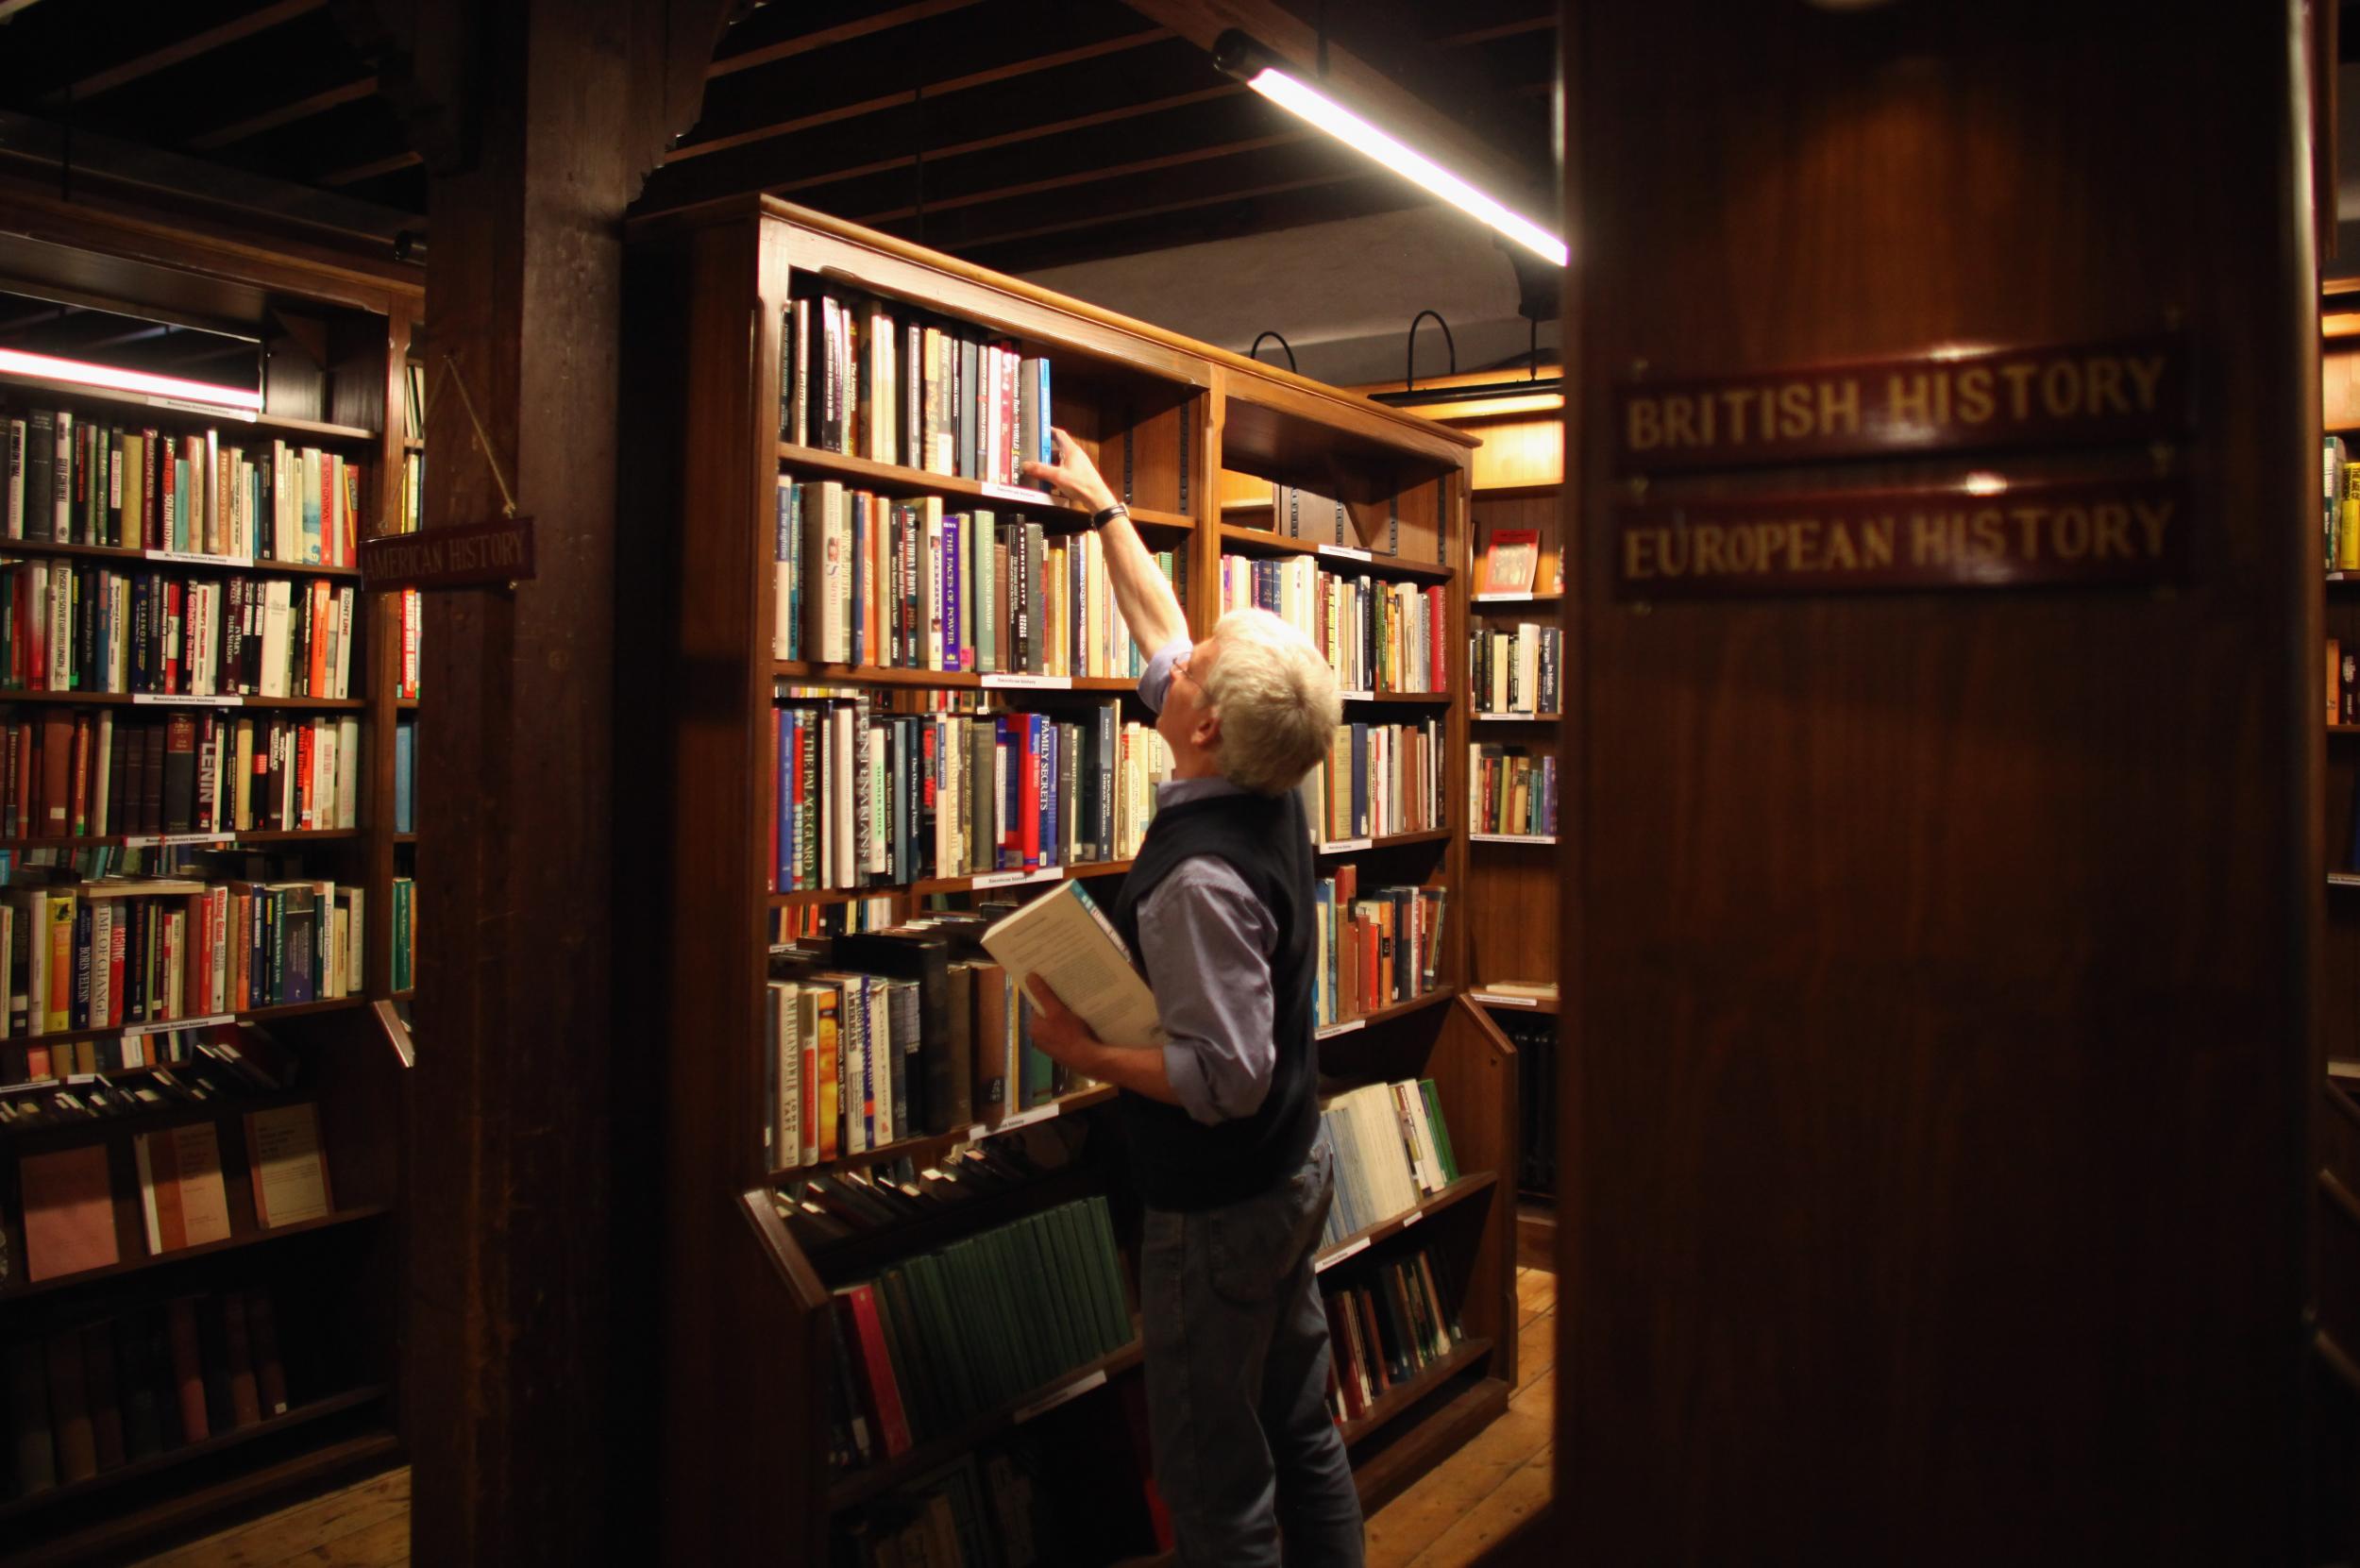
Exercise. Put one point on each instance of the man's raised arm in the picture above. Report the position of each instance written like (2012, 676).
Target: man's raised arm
(1149, 607)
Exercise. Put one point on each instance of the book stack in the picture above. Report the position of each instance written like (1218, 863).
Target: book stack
(405, 913)
(67, 625)
(880, 582)
(72, 479)
(896, 1034)
(1380, 636)
(1376, 949)
(1516, 671)
(1392, 1148)
(86, 1398)
(1512, 792)
(1385, 1331)
(76, 772)
(119, 953)
(1378, 779)
(945, 1337)
(867, 798)
(886, 382)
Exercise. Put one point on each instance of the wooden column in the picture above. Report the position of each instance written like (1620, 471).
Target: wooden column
(1940, 966)
(532, 1350)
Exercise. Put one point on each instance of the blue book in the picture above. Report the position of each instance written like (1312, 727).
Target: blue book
(782, 555)
(405, 765)
(1045, 449)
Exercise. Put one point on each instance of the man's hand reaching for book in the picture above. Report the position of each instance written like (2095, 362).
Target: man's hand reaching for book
(1059, 1031)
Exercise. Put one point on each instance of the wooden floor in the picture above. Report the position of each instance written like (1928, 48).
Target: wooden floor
(1472, 1504)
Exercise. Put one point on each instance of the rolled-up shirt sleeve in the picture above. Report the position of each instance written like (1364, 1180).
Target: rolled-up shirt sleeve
(1207, 941)
(1157, 682)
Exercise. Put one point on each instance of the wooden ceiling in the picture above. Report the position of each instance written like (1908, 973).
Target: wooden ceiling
(1019, 133)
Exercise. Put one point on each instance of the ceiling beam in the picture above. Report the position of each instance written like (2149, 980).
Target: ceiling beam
(803, 43)
(360, 172)
(192, 47)
(1357, 83)
(285, 114)
(1091, 176)
(1133, 215)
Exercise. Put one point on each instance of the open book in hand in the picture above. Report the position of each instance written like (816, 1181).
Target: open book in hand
(1062, 937)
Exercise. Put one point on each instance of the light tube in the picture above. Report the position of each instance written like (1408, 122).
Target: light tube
(1339, 122)
(16, 361)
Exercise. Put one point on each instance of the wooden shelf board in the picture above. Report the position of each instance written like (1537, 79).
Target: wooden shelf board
(1400, 1396)
(933, 1144)
(184, 412)
(181, 559)
(1255, 539)
(920, 1459)
(405, 994)
(406, 704)
(952, 884)
(227, 841)
(140, 1265)
(954, 680)
(1360, 846)
(1515, 492)
(255, 1015)
(412, 444)
(405, 838)
(2344, 729)
(1511, 838)
(142, 700)
(1513, 1003)
(1434, 998)
(925, 482)
(1434, 1202)
(140, 1469)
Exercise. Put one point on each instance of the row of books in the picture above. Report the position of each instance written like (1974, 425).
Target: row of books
(893, 1034)
(98, 1078)
(1375, 950)
(184, 1199)
(884, 381)
(878, 580)
(405, 899)
(1392, 1148)
(115, 954)
(825, 1207)
(1378, 635)
(72, 479)
(1515, 670)
(945, 1337)
(86, 1398)
(68, 626)
(1382, 1333)
(82, 772)
(1378, 779)
(2339, 538)
(866, 798)
(1510, 790)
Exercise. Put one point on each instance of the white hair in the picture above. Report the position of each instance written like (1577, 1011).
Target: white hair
(1276, 698)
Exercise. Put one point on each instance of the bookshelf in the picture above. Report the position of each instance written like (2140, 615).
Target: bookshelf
(748, 1290)
(328, 342)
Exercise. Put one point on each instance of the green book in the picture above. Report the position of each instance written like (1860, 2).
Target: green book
(1110, 1260)
(1054, 1287)
(944, 1328)
(1442, 1129)
(1078, 1269)
(907, 1342)
(1111, 1325)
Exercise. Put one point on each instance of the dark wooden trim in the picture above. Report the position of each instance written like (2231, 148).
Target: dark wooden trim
(821, 38)
(193, 48)
(285, 114)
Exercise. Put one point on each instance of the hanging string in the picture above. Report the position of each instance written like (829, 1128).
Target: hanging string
(483, 441)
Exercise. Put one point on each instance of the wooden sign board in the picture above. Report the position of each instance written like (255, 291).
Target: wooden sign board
(497, 551)
(2062, 394)
(1947, 536)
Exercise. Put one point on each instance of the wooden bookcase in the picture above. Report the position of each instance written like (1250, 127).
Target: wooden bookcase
(335, 329)
(746, 1338)
(1513, 886)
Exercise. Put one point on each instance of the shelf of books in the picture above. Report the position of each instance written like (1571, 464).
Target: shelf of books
(900, 1240)
(199, 1174)
(1516, 563)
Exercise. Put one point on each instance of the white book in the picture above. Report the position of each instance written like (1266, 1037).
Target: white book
(102, 925)
(348, 773)
(877, 1007)
(805, 1025)
(217, 915)
(930, 582)
(61, 627)
(827, 571)
(1062, 939)
(61, 512)
(277, 608)
(843, 756)
(785, 1005)
(12, 497)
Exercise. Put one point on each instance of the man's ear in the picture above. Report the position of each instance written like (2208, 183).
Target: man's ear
(1207, 732)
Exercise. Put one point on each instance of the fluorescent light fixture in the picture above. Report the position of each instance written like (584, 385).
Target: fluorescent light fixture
(1240, 57)
(81, 372)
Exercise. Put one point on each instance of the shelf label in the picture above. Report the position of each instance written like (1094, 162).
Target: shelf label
(1018, 492)
(1028, 683)
(217, 411)
(197, 558)
(1489, 717)
(1025, 1119)
(1521, 597)
(1511, 838)
(1349, 1249)
(1346, 846)
(159, 1026)
(1075, 1390)
(1494, 1000)
(2343, 879)
(978, 1130)
(150, 699)
(1345, 1028)
(157, 840)
(1011, 879)
(1356, 696)
(1412, 1218)
(1346, 552)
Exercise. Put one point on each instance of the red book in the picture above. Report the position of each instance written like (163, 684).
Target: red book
(167, 489)
(187, 1370)
(859, 1305)
(175, 668)
(320, 619)
(1028, 793)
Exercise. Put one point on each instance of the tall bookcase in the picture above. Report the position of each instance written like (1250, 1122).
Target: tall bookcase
(332, 330)
(746, 1340)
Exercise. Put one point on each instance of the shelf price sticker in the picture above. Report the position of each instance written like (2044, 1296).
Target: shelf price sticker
(1028, 683)
(1012, 879)
(1075, 1390)
(1350, 1249)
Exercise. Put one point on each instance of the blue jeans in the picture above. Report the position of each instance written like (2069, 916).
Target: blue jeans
(1237, 1380)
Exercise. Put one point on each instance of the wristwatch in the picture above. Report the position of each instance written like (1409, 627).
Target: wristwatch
(1105, 515)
